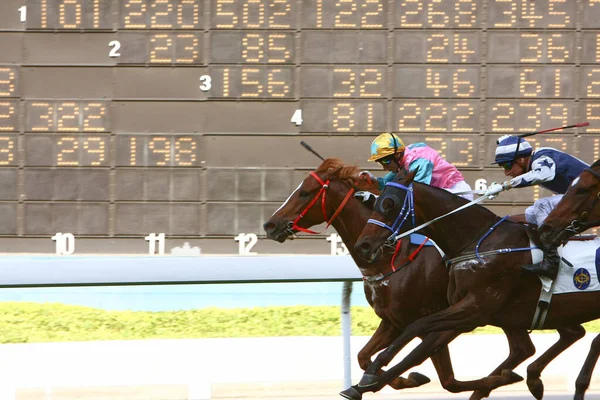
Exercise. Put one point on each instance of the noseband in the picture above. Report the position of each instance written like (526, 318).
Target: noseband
(293, 225)
(581, 223)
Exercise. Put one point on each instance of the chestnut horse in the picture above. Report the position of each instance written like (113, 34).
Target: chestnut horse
(486, 287)
(421, 281)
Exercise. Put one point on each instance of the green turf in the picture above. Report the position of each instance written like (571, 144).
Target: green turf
(22, 322)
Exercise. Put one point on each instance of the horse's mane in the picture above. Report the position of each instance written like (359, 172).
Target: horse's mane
(334, 168)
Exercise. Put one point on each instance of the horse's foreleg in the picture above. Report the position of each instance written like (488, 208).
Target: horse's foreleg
(520, 349)
(568, 336)
(585, 375)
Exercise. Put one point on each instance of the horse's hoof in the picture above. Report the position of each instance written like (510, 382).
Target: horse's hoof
(418, 379)
(368, 380)
(351, 393)
(511, 376)
(536, 387)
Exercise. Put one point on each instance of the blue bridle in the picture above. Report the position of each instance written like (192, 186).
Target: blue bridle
(408, 208)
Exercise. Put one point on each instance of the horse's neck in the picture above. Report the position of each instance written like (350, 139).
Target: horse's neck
(454, 233)
(351, 221)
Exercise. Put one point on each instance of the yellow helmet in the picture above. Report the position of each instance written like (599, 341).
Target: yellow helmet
(385, 145)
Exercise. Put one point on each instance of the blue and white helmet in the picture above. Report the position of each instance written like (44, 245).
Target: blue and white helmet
(510, 148)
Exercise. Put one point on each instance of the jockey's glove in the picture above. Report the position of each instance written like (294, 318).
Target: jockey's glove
(493, 190)
(365, 174)
(365, 196)
(506, 185)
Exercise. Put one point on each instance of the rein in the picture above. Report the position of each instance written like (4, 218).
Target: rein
(322, 193)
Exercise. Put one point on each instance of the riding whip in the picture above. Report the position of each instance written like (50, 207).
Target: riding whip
(580, 125)
(307, 147)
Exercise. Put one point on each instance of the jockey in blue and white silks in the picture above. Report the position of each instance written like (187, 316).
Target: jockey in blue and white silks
(547, 167)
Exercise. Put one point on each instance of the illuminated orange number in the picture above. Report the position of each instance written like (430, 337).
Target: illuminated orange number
(162, 147)
(503, 112)
(437, 42)
(556, 53)
(436, 19)
(528, 12)
(136, 14)
(372, 10)
(437, 114)
(465, 15)
(465, 151)
(460, 87)
(462, 112)
(7, 112)
(343, 117)
(592, 113)
(70, 14)
(558, 112)
(349, 81)
(48, 117)
(185, 151)
(8, 80)
(528, 86)
(189, 44)
(277, 15)
(552, 11)
(534, 47)
(162, 48)
(221, 11)
(369, 79)
(510, 13)
(439, 144)
(345, 13)
(66, 152)
(533, 113)
(410, 117)
(93, 117)
(7, 150)
(68, 117)
(411, 10)
(97, 146)
(277, 87)
(183, 16)
(250, 79)
(253, 47)
(593, 88)
(277, 53)
(133, 150)
(462, 48)
(433, 82)
(250, 7)
(159, 17)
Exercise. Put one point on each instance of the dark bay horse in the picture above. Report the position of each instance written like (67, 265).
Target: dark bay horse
(485, 287)
(577, 211)
(326, 195)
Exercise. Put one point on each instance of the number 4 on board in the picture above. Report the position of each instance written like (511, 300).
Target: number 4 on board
(297, 117)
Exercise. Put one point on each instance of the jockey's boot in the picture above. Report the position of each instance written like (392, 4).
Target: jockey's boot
(549, 265)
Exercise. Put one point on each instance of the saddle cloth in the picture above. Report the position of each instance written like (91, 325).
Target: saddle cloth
(584, 255)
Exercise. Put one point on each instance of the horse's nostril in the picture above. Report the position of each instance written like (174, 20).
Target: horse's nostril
(269, 227)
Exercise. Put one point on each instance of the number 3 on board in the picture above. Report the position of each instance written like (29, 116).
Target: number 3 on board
(206, 83)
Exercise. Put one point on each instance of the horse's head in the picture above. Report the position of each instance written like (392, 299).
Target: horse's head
(576, 211)
(319, 198)
(394, 211)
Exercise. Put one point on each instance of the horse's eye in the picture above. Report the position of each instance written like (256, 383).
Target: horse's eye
(304, 194)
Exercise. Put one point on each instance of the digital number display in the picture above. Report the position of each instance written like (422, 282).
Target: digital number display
(9, 83)
(531, 47)
(436, 81)
(252, 47)
(8, 150)
(533, 82)
(157, 151)
(589, 147)
(344, 14)
(437, 47)
(67, 116)
(9, 116)
(341, 116)
(436, 116)
(161, 14)
(510, 116)
(160, 48)
(253, 82)
(58, 150)
(532, 14)
(438, 14)
(253, 14)
(69, 14)
(344, 81)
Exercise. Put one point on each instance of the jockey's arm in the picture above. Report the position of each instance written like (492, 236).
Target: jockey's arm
(424, 170)
(542, 170)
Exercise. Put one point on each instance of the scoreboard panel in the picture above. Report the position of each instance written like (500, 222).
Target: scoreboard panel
(119, 118)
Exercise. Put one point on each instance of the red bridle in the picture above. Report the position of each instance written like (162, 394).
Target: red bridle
(322, 192)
